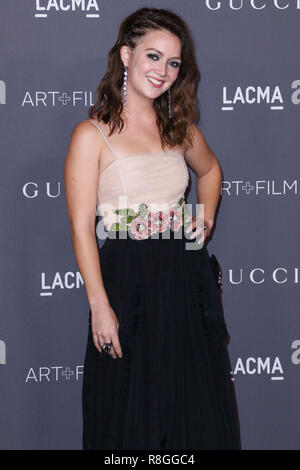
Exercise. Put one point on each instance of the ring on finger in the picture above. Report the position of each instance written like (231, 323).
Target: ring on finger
(106, 346)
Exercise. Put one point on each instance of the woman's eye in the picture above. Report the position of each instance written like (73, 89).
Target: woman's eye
(175, 64)
(152, 56)
(156, 57)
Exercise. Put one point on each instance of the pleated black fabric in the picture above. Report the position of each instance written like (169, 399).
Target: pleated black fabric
(172, 388)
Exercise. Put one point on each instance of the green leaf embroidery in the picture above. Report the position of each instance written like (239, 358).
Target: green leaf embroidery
(143, 209)
(125, 212)
(115, 226)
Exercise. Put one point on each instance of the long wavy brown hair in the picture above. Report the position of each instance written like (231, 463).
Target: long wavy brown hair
(109, 106)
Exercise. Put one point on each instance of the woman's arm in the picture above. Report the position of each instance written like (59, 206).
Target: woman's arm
(81, 173)
(202, 160)
(81, 180)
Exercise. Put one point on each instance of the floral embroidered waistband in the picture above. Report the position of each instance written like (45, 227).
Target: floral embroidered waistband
(145, 222)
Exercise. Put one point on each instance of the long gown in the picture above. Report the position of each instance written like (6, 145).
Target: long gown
(172, 389)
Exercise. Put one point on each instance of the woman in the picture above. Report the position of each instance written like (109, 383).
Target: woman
(156, 374)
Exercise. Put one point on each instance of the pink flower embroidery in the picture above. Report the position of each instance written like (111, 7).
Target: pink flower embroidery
(139, 228)
(152, 223)
(162, 221)
(176, 219)
(148, 222)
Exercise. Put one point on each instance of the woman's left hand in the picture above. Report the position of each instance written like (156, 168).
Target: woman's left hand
(203, 232)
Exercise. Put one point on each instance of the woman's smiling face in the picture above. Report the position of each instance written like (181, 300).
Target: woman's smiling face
(153, 65)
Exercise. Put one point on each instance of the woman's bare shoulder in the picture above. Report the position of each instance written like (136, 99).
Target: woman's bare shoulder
(84, 140)
(103, 126)
(85, 126)
(87, 133)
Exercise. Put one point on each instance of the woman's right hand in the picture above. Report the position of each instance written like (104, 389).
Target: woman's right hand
(105, 327)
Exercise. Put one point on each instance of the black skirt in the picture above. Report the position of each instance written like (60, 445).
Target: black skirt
(172, 389)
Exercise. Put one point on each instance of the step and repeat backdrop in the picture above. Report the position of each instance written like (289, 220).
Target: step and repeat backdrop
(53, 55)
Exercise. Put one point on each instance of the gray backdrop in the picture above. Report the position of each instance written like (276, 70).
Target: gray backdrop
(248, 54)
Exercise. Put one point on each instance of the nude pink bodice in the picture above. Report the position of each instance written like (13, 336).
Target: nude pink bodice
(157, 179)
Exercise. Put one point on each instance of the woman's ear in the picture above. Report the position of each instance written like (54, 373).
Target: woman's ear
(125, 54)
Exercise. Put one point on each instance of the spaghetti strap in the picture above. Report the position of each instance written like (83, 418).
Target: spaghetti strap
(104, 137)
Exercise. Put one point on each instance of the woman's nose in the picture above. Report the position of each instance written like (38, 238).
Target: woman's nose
(162, 69)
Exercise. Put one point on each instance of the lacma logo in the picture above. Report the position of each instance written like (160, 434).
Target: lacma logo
(2, 92)
(89, 7)
(252, 95)
(270, 96)
(260, 365)
(265, 366)
(68, 280)
(2, 352)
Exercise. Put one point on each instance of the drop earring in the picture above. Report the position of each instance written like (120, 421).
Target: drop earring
(169, 104)
(124, 87)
